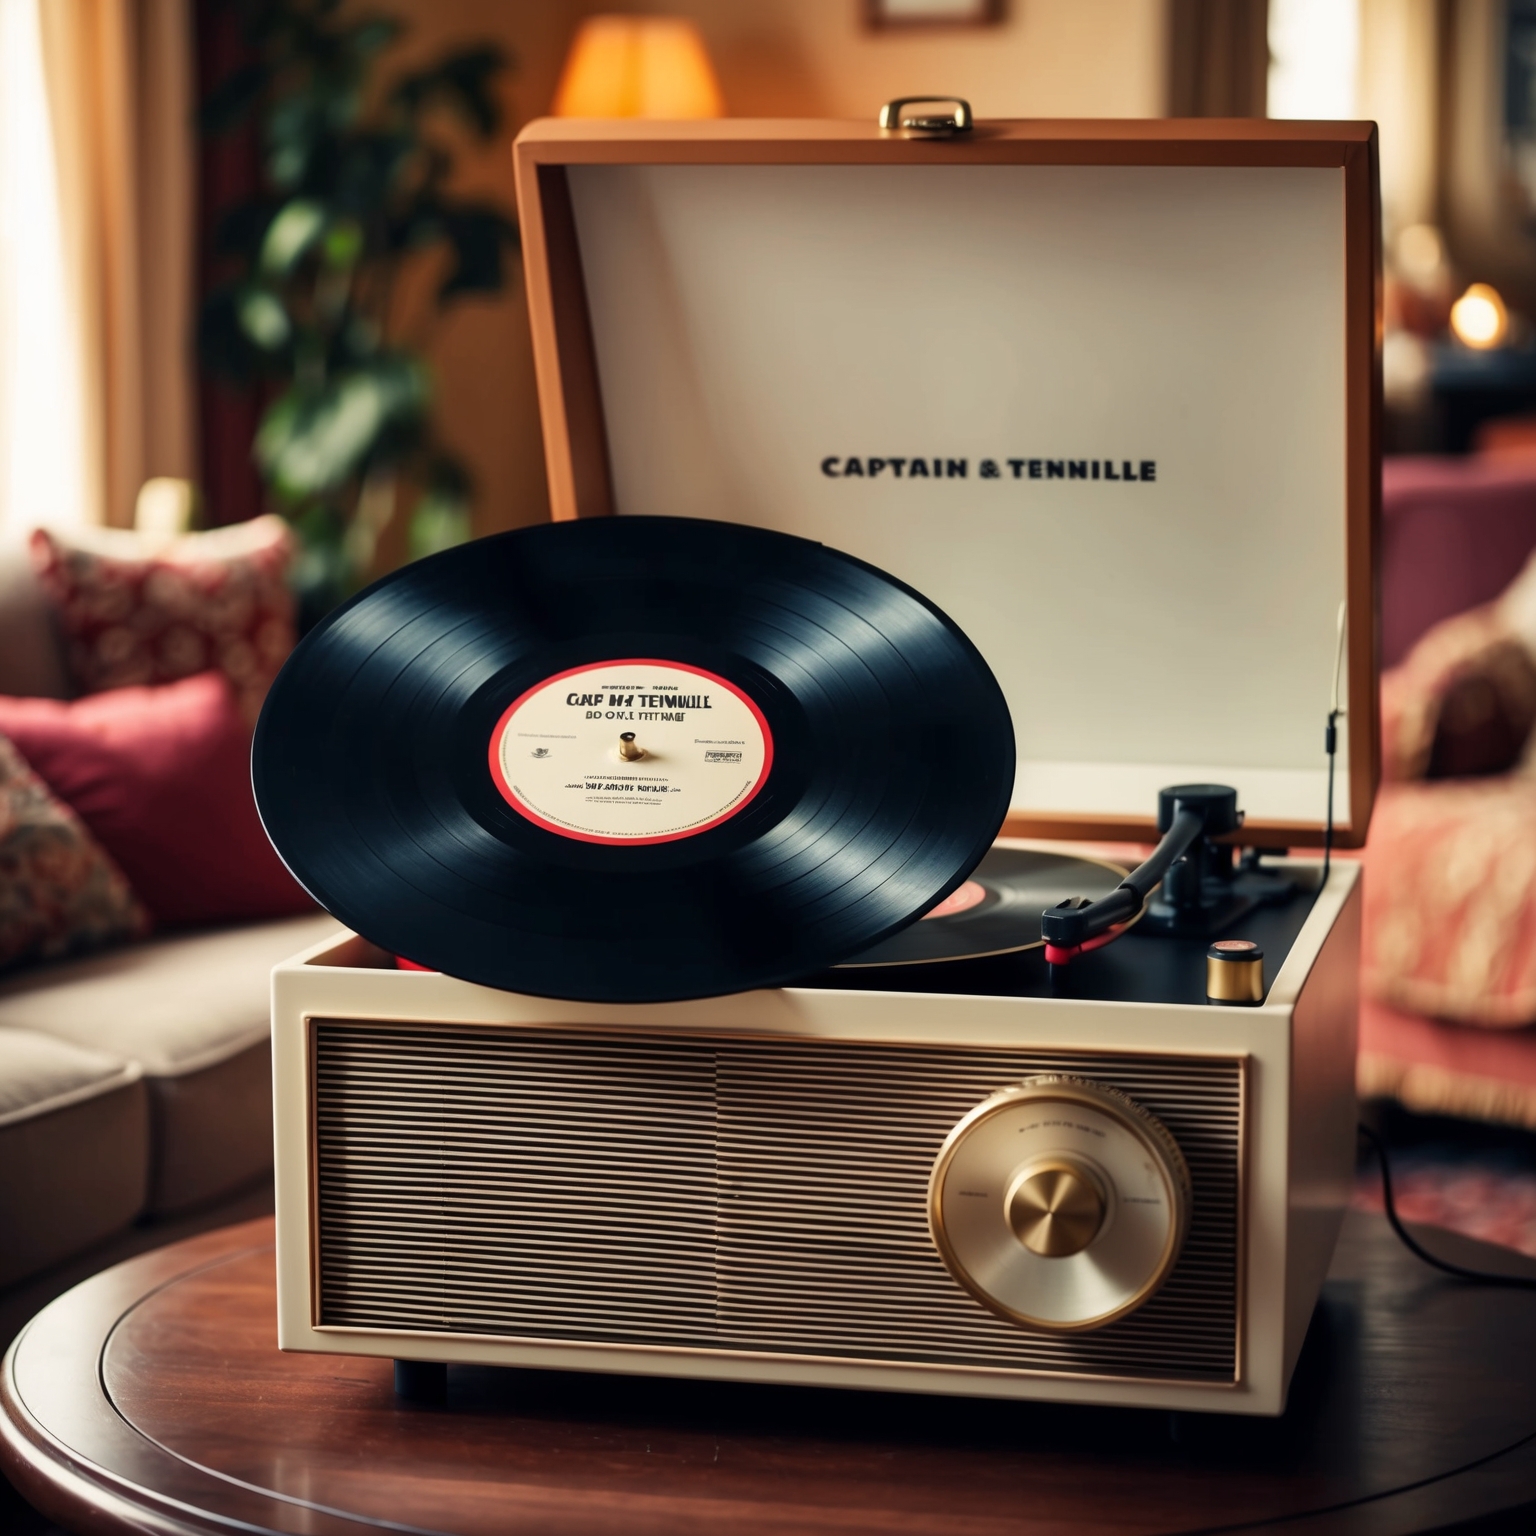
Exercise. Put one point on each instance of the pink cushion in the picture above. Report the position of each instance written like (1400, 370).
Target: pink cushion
(161, 777)
(1450, 900)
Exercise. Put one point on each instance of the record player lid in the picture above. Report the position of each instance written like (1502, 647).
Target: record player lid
(1106, 392)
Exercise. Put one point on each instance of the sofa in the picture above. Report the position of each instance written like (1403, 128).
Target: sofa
(1448, 995)
(135, 1098)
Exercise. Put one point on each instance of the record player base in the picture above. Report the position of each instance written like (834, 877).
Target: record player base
(738, 1188)
(153, 1398)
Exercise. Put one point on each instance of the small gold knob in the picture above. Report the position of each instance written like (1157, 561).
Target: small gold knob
(629, 750)
(1055, 1209)
(1234, 972)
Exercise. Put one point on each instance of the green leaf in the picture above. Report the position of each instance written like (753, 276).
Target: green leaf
(343, 243)
(315, 439)
(295, 123)
(439, 522)
(263, 319)
(290, 235)
(353, 194)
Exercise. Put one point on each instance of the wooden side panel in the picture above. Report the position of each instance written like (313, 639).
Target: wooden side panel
(1363, 316)
(565, 363)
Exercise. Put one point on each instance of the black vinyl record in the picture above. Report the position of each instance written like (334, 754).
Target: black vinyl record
(995, 912)
(633, 759)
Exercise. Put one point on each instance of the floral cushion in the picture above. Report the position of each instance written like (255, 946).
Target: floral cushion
(1450, 900)
(1450, 883)
(59, 892)
(138, 610)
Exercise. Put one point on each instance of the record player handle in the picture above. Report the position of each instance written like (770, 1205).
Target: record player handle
(945, 125)
(1070, 924)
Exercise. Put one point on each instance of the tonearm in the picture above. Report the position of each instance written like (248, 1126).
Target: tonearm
(1201, 889)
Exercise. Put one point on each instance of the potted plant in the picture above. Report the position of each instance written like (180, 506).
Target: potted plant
(356, 176)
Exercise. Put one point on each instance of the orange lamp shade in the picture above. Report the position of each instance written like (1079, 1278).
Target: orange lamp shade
(638, 66)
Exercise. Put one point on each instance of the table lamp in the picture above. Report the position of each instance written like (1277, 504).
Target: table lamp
(638, 66)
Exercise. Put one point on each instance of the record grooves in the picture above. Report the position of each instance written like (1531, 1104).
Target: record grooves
(633, 759)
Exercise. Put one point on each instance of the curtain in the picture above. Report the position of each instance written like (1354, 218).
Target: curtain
(1218, 57)
(99, 166)
(49, 472)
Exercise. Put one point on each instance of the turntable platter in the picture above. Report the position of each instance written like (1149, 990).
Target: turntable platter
(997, 911)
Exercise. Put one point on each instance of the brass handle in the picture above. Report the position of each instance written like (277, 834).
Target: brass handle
(961, 120)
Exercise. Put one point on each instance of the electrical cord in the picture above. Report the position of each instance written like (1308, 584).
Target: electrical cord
(1331, 746)
(1331, 736)
(1482, 1277)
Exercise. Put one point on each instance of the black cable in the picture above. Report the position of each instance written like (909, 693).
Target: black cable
(1483, 1277)
(1331, 746)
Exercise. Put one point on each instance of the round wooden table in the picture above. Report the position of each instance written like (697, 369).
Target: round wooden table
(153, 1399)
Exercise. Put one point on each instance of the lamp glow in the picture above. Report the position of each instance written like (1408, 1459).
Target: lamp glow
(638, 66)
(1479, 318)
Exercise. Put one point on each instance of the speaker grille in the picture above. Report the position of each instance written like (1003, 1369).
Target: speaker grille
(719, 1193)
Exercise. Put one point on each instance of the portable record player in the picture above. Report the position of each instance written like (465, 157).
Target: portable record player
(1106, 395)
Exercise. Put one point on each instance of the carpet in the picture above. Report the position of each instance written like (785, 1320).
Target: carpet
(1473, 1179)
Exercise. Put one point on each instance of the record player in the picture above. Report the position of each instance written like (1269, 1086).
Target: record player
(1101, 397)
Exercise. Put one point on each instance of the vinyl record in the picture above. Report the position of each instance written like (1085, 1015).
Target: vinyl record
(633, 759)
(996, 911)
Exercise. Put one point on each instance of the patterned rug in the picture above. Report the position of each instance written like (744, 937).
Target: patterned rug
(1476, 1180)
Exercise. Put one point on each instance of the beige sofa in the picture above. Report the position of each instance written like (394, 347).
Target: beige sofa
(135, 1095)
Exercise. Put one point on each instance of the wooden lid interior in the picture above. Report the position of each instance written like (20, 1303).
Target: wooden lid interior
(1108, 416)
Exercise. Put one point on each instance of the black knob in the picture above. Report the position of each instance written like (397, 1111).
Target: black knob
(1215, 804)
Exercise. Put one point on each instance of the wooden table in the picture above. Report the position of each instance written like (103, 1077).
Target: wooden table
(152, 1398)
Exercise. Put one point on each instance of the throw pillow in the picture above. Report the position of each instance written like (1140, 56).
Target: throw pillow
(59, 891)
(161, 777)
(138, 609)
(1450, 901)
(1463, 702)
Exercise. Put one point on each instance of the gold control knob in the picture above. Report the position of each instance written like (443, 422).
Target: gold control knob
(1055, 1209)
(1234, 972)
(629, 749)
(1059, 1203)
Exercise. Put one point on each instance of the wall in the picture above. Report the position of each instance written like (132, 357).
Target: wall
(1072, 58)
(1048, 58)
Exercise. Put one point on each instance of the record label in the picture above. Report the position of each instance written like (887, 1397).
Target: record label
(631, 751)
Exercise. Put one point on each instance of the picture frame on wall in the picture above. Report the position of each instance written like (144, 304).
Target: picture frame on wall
(883, 14)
